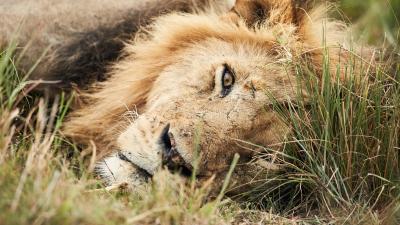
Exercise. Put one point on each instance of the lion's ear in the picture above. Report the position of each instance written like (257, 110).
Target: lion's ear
(271, 11)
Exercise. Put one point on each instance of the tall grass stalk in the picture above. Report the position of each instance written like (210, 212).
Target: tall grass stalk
(343, 152)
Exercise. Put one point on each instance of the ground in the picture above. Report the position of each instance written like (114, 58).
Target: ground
(343, 160)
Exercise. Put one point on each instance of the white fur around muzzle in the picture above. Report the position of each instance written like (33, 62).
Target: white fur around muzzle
(114, 170)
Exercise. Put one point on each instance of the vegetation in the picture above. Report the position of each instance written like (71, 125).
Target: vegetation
(342, 159)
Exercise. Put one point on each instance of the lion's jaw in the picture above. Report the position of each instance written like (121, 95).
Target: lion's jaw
(205, 123)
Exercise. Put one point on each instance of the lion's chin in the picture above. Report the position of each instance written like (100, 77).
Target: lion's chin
(116, 169)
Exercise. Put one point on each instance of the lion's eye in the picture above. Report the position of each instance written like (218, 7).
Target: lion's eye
(227, 81)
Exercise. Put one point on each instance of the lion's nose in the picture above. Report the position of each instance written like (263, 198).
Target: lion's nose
(167, 140)
(170, 156)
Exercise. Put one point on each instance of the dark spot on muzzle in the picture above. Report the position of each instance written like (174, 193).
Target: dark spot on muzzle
(142, 173)
(171, 158)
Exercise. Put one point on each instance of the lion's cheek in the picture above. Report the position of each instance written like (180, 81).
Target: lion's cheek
(269, 131)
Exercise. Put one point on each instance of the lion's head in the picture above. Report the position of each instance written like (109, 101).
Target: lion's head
(192, 85)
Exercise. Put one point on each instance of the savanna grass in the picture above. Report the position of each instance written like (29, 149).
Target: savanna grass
(342, 156)
(342, 159)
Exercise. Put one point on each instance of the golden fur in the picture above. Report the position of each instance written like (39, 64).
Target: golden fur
(170, 74)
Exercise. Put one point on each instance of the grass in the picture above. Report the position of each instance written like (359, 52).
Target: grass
(342, 159)
(344, 151)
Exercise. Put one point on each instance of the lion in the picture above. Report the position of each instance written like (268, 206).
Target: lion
(179, 84)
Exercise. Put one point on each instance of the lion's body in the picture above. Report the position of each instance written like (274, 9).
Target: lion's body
(77, 40)
(171, 77)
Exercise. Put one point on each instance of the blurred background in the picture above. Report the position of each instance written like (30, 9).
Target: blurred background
(377, 21)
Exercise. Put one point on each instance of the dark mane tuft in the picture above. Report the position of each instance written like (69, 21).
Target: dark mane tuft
(84, 59)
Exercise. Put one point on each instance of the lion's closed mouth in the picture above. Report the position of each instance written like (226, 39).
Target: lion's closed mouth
(141, 171)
